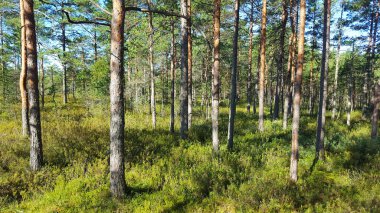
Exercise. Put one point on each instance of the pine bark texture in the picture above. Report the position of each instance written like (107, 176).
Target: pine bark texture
(231, 121)
(190, 64)
(320, 148)
(151, 65)
(42, 83)
(36, 157)
(172, 77)
(215, 87)
(297, 94)
(184, 73)
(64, 78)
(117, 178)
(23, 75)
(291, 65)
(337, 64)
(262, 65)
(375, 113)
(249, 74)
(280, 66)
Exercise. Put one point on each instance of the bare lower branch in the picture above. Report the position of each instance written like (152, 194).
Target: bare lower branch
(83, 21)
(144, 10)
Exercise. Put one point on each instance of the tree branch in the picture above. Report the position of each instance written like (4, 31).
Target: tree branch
(83, 21)
(144, 10)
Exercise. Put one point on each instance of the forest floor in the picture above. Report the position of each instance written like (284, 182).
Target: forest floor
(166, 174)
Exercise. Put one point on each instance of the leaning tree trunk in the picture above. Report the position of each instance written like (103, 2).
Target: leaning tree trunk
(337, 63)
(297, 94)
(23, 75)
(291, 65)
(320, 149)
(184, 73)
(172, 77)
(190, 64)
(151, 63)
(262, 65)
(215, 79)
(117, 178)
(36, 158)
(280, 66)
(231, 121)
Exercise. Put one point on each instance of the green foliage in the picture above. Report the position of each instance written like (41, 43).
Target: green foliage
(100, 76)
(166, 174)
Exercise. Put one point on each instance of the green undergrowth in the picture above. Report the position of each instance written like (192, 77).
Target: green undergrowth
(167, 174)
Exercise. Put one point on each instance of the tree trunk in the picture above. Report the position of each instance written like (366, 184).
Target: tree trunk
(262, 65)
(42, 83)
(2, 64)
(95, 45)
(280, 66)
(231, 121)
(311, 77)
(320, 149)
(184, 72)
(297, 94)
(190, 65)
(249, 74)
(117, 178)
(350, 92)
(376, 86)
(172, 77)
(215, 78)
(23, 75)
(64, 78)
(337, 63)
(375, 112)
(291, 65)
(366, 87)
(36, 158)
(151, 63)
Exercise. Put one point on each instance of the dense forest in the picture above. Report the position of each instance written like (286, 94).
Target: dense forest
(189, 106)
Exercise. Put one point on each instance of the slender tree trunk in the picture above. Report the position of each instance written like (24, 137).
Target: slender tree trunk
(117, 178)
(297, 94)
(42, 83)
(249, 74)
(231, 121)
(215, 78)
(280, 66)
(190, 64)
(367, 74)
(337, 63)
(36, 158)
(320, 149)
(172, 77)
(184, 72)
(350, 82)
(2, 54)
(52, 84)
(262, 65)
(376, 86)
(95, 44)
(311, 77)
(375, 112)
(64, 78)
(291, 65)
(23, 75)
(151, 63)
